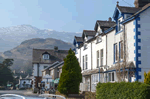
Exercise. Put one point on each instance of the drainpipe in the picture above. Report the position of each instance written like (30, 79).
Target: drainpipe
(91, 66)
(106, 57)
(37, 74)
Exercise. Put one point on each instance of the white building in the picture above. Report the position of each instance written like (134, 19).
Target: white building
(25, 82)
(43, 58)
(129, 32)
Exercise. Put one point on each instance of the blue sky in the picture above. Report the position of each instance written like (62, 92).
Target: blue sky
(59, 15)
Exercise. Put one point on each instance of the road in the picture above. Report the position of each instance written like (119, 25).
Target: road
(19, 92)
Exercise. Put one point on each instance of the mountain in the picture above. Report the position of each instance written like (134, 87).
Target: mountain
(22, 54)
(11, 37)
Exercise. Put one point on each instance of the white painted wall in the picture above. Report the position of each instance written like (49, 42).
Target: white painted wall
(98, 46)
(41, 67)
(21, 82)
(110, 47)
(129, 28)
(88, 53)
(145, 42)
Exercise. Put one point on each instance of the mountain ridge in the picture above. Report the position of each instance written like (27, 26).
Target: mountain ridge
(11, 37)
(22, 54)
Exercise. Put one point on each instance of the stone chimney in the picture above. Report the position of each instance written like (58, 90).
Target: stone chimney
(55, 48)
(109, 19)
(140, 3)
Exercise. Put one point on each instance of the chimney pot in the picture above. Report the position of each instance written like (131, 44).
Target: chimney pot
(109, 19)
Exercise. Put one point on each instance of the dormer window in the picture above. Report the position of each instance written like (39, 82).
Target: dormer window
(45, 56)
(97, 34)
(119, 27)
(85, 46)
(98, 40)
(76, 45)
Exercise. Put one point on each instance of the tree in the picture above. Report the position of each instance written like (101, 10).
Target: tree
(5, 72)
(71, 75)
(147, 77)
(122, 64)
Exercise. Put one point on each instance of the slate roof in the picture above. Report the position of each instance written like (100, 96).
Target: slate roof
(79, 39)
(94, 71)
(57, 65)
(106, 24)
(89, 32)
(125, 9)
(54, 55)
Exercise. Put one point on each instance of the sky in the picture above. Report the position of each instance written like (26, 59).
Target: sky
(59, 15)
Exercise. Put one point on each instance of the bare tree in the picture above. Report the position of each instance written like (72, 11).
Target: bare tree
(123, 67)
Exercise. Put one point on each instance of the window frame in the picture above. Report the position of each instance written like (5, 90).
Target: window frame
(86, 61)
(102, 56)
(46, 56)
(121, 50)
(115, 52)
(97, 57)
(119, 26)
(83, 62)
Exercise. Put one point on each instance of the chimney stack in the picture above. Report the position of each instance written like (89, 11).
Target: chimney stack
(109, 19)
(140, 3)
(55, 48)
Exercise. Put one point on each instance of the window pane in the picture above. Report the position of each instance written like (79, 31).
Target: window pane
(109, 76)
(121, 50)
(112, 76)
(101, 57)
(83, 62)
(116, 52)
(97, 58)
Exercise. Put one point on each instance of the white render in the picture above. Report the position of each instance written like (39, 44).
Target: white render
(27, 83)
(145, 42)
(137, 31)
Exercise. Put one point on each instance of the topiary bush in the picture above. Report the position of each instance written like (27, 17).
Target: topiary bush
(123, 90)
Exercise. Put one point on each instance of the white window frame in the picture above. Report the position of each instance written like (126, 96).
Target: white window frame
(97, 57)
(102, 57)
(116, 52)
(83, 62)
(121, 50)
(85, 46)
(98, 39)
(86, 61)
(110, 77)
(45, 56)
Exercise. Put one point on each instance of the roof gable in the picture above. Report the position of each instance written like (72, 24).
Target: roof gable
(117, 13)
(55, 55)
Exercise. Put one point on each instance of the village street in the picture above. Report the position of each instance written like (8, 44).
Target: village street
(18, 92)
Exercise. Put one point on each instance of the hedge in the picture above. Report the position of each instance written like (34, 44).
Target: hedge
(123, 90)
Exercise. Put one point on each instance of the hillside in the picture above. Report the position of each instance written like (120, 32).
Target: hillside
(22, 54)
(11, 37)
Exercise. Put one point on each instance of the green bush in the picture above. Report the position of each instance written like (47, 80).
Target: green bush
(123, 90)
(147, 77)
(71, 75)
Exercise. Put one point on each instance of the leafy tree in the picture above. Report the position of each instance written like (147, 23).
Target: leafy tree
(71, 75)
(147, 77)
(5, 72)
